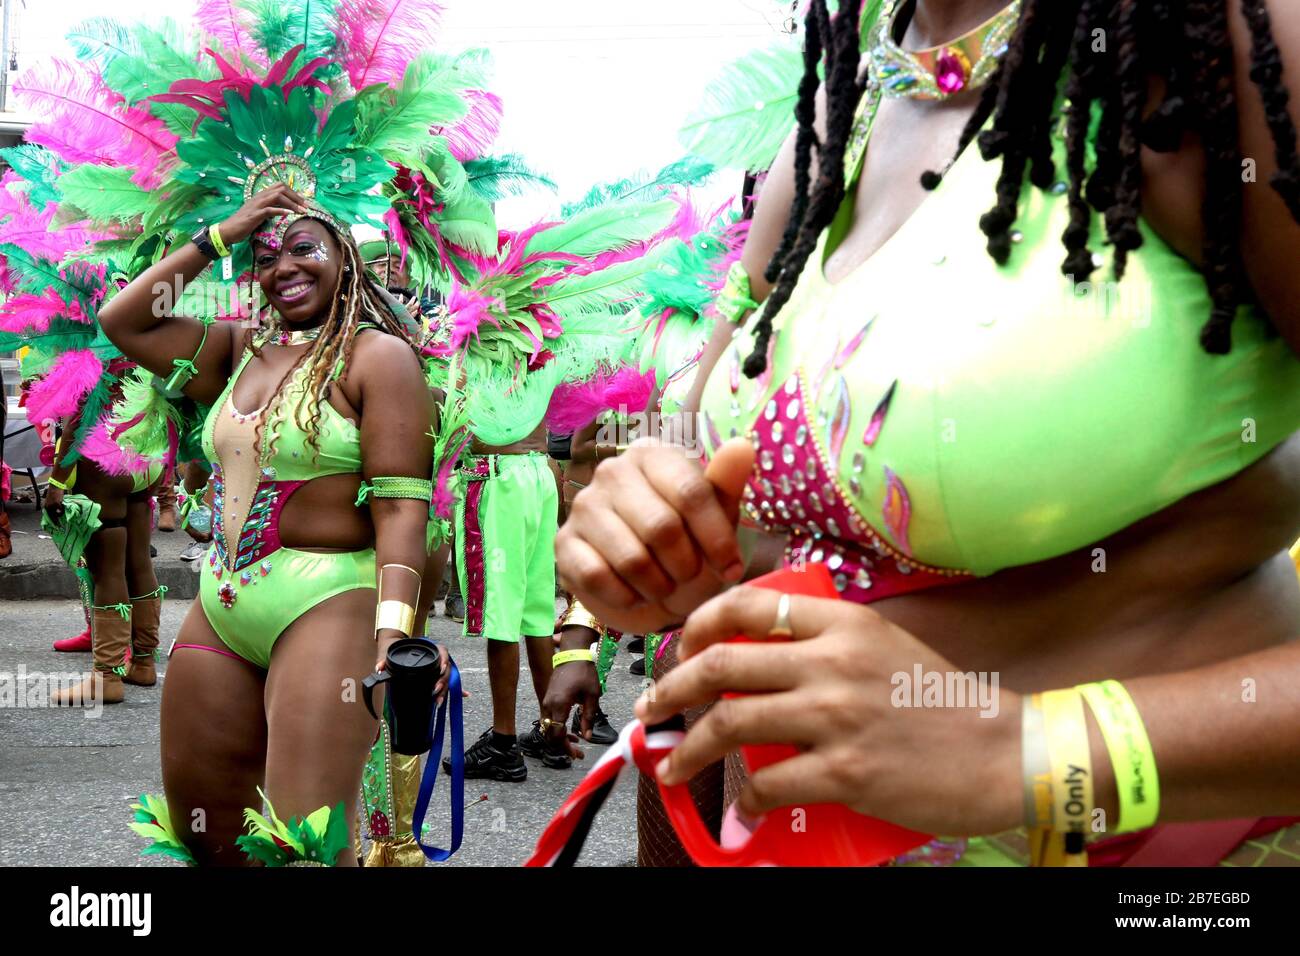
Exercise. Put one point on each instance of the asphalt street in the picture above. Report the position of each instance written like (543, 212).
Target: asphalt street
(66, 779)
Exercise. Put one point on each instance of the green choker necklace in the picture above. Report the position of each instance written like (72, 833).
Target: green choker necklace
(939, 72)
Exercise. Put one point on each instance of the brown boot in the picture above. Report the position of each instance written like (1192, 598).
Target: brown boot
(146, 615)
(112, 636)
(167, 517)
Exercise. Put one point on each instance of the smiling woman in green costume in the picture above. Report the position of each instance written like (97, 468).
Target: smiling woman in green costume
(1035, 405)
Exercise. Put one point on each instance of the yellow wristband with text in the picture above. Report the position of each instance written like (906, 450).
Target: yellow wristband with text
(1130, 752)
(565, 657)
(1071, 757)
(214, 233)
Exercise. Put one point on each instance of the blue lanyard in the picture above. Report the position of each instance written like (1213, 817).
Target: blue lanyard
(457, 772)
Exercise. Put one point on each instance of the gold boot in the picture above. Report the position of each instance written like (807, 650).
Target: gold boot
(111, 634)
(146, 616)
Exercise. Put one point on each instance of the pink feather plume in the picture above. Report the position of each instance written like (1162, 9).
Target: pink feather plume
(31, 313)
(478, 129)
(227, 22)
(575, 405)
(63, 387)
(100, 447)
(84, 121)
(378, 38)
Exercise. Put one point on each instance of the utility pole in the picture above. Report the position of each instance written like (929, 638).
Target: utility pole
(4, 55)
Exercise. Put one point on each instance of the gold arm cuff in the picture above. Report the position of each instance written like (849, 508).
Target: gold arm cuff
(395, 615)
(578, 616)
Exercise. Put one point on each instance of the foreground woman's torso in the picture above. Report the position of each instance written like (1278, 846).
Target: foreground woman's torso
(974, 418)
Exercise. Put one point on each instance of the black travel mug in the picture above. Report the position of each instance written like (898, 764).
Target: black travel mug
(411, 675)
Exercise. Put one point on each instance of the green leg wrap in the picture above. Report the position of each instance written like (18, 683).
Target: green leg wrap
(605, 658)
(86, 588)
(652, 642)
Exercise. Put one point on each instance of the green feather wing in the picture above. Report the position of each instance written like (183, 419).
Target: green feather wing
(747, 111)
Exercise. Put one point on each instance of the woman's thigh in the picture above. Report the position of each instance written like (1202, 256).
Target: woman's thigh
(319, 731)
(213, 742)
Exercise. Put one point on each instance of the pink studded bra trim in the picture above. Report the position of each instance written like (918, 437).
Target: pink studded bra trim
(794, 493)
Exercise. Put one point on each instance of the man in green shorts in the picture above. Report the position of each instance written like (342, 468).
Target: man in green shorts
(506, 518)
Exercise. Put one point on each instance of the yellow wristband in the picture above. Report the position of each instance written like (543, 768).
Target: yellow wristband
(565, 657)
(394, 615)
(1130, 752)
(58, 484)
(1036, 764)
(214, 233)
(1071, 756)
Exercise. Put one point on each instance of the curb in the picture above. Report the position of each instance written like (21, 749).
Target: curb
(32, 582)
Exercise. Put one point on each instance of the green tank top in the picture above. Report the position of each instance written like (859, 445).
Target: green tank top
(977, 416)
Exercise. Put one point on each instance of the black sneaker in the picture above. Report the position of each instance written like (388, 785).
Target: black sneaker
(602, 732)
(638, 667)
(455, 608)
(535, 744)
(636, 645)
(483, 759)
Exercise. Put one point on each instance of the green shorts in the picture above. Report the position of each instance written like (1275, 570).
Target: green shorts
(506, 517)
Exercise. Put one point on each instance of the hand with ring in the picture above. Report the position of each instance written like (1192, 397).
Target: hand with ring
(831, 690)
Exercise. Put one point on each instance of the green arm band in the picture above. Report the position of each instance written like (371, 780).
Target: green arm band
(184, 369)
(735, 300)
(421, 489)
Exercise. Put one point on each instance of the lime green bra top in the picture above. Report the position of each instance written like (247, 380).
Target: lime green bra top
(292, 459)
(961, 416)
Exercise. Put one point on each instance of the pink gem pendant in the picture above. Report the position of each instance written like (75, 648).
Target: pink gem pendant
(226, 593)
(951, 70)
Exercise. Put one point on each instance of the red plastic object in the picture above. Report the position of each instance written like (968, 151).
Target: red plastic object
(826, 834)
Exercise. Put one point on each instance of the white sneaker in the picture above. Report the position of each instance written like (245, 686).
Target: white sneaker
(194, 552)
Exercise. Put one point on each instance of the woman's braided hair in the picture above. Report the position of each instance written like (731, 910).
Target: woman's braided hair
(356, 300)
(1183, 42)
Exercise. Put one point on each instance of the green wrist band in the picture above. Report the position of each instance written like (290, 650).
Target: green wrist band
(1130, 752)
(565, 657)
(734, 301)
(421, 489)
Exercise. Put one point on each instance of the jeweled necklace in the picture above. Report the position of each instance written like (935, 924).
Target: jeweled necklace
(283, 336)
(939, 72)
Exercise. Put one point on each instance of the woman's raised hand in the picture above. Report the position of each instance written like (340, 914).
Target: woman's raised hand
(654, 535)
(277, 200)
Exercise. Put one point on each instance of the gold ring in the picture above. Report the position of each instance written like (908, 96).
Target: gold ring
(547, 724)
(781, 626)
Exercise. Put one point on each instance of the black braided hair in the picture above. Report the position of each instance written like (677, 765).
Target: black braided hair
(1100, 55)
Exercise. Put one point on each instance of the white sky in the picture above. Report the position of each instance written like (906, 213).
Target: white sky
(594, 90)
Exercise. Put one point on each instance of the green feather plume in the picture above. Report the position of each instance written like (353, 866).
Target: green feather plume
(105, 193)
(688, 171)
(280, 25)
(493, 178)
(153, 822)
(395, 124)
(604, 228)
(747, 111)
(318, 838)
